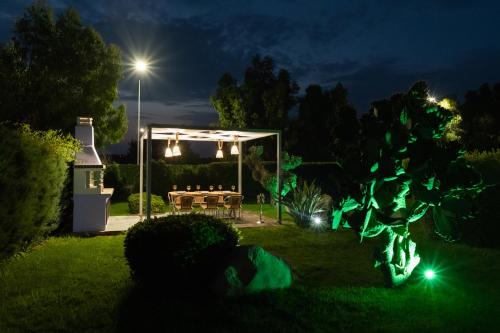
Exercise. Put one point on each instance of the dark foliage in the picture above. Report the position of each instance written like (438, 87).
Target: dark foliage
(263, 100)
(178, 253)
(326, 127)
(33, 169)
(55, 69)
(329, 176)
(114, 179)
(481, 118)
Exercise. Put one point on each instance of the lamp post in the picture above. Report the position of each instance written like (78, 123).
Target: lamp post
(140, 67)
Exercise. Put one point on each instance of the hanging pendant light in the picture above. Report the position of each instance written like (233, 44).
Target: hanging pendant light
(219, 151)
(234, 148)
(176, 151)
(168, 151)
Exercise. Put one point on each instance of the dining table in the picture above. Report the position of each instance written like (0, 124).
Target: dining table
(199, 196)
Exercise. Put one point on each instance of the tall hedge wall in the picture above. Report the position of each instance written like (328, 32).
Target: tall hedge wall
(223, 173)
(33, 168)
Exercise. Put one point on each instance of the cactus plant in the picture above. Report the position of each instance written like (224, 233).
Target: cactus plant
(404, 169)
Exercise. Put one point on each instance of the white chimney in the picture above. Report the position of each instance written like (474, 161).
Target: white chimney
(84, 132)
(90, 199)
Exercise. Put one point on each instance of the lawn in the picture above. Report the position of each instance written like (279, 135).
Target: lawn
(120, 208)
(82, 284)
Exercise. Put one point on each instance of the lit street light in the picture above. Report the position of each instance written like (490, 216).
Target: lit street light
(141, 67)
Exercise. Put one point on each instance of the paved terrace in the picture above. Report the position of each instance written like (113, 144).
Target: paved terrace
(248, 220)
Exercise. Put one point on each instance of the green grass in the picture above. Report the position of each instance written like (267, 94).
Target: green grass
(119, 209)
(77, 284)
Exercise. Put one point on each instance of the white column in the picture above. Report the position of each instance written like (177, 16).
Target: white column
(240, 170)
(149, 158)
(138, 119)
(141, 175)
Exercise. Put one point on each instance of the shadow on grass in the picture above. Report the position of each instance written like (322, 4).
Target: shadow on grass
(299, 309)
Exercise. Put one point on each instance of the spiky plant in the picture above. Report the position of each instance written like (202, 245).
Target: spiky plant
(308, 205)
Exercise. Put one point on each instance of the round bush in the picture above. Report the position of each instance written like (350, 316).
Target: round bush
(175, 252)
(157, 203)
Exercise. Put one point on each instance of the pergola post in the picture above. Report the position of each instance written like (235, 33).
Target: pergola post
(141, 175)
(278, 173)
(148, 173)
(240, 168)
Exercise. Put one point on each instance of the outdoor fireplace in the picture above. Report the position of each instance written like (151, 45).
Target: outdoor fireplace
(91, 200)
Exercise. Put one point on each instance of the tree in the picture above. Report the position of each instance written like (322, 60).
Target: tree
(54, 70)
(263, 100)
(404, 168)
(481, 118)
(326, 125)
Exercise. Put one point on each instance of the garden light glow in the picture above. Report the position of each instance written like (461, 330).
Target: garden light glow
(429, 274)
(431, 99)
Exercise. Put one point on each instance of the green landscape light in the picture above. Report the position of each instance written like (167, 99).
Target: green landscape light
(429, 274)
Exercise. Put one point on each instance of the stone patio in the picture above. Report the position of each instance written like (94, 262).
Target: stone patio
(248, 220)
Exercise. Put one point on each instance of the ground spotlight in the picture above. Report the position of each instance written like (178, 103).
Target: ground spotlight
(429, 274)
(316, 220)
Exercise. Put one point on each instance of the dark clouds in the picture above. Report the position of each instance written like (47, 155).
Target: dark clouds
(375, 48)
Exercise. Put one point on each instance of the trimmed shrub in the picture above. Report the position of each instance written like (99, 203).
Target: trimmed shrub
(33, 169)
(307, 205)
(178, 251)
(157, 203)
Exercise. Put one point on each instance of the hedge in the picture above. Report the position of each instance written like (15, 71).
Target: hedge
(33, 169)
(157, 204)
(216, 173)
(178, 253)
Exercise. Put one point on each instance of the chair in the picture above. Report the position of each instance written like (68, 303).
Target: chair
(171, 202)
(210, 204)
(185, 204)
(232, 203)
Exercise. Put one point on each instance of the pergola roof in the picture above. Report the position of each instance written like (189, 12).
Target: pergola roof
(190, 133)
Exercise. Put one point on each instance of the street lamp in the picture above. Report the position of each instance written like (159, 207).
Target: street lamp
(141, 67)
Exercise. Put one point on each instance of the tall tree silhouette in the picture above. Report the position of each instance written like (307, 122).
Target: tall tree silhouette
(481, 118)
(263, 100)
(55, 69)
(326, 126)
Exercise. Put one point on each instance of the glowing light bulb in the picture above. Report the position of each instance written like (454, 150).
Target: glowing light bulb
(176, 151)
(219, 150)
(429, 274)
(431, 99)
(234, 149)
(316, 220)
(168, 152)
(141, 66)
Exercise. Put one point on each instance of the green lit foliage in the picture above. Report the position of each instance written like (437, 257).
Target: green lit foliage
(33, 169)
(306, 203)
(56, 69)
(403, 170)
(178, 252)
(267, 179)
(157, 203)
(453, 130)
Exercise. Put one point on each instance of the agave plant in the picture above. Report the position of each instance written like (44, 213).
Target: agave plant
(308, 205)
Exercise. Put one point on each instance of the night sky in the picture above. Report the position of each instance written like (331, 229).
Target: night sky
(375, 48)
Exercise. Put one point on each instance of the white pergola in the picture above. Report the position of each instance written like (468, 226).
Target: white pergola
(191, 133)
